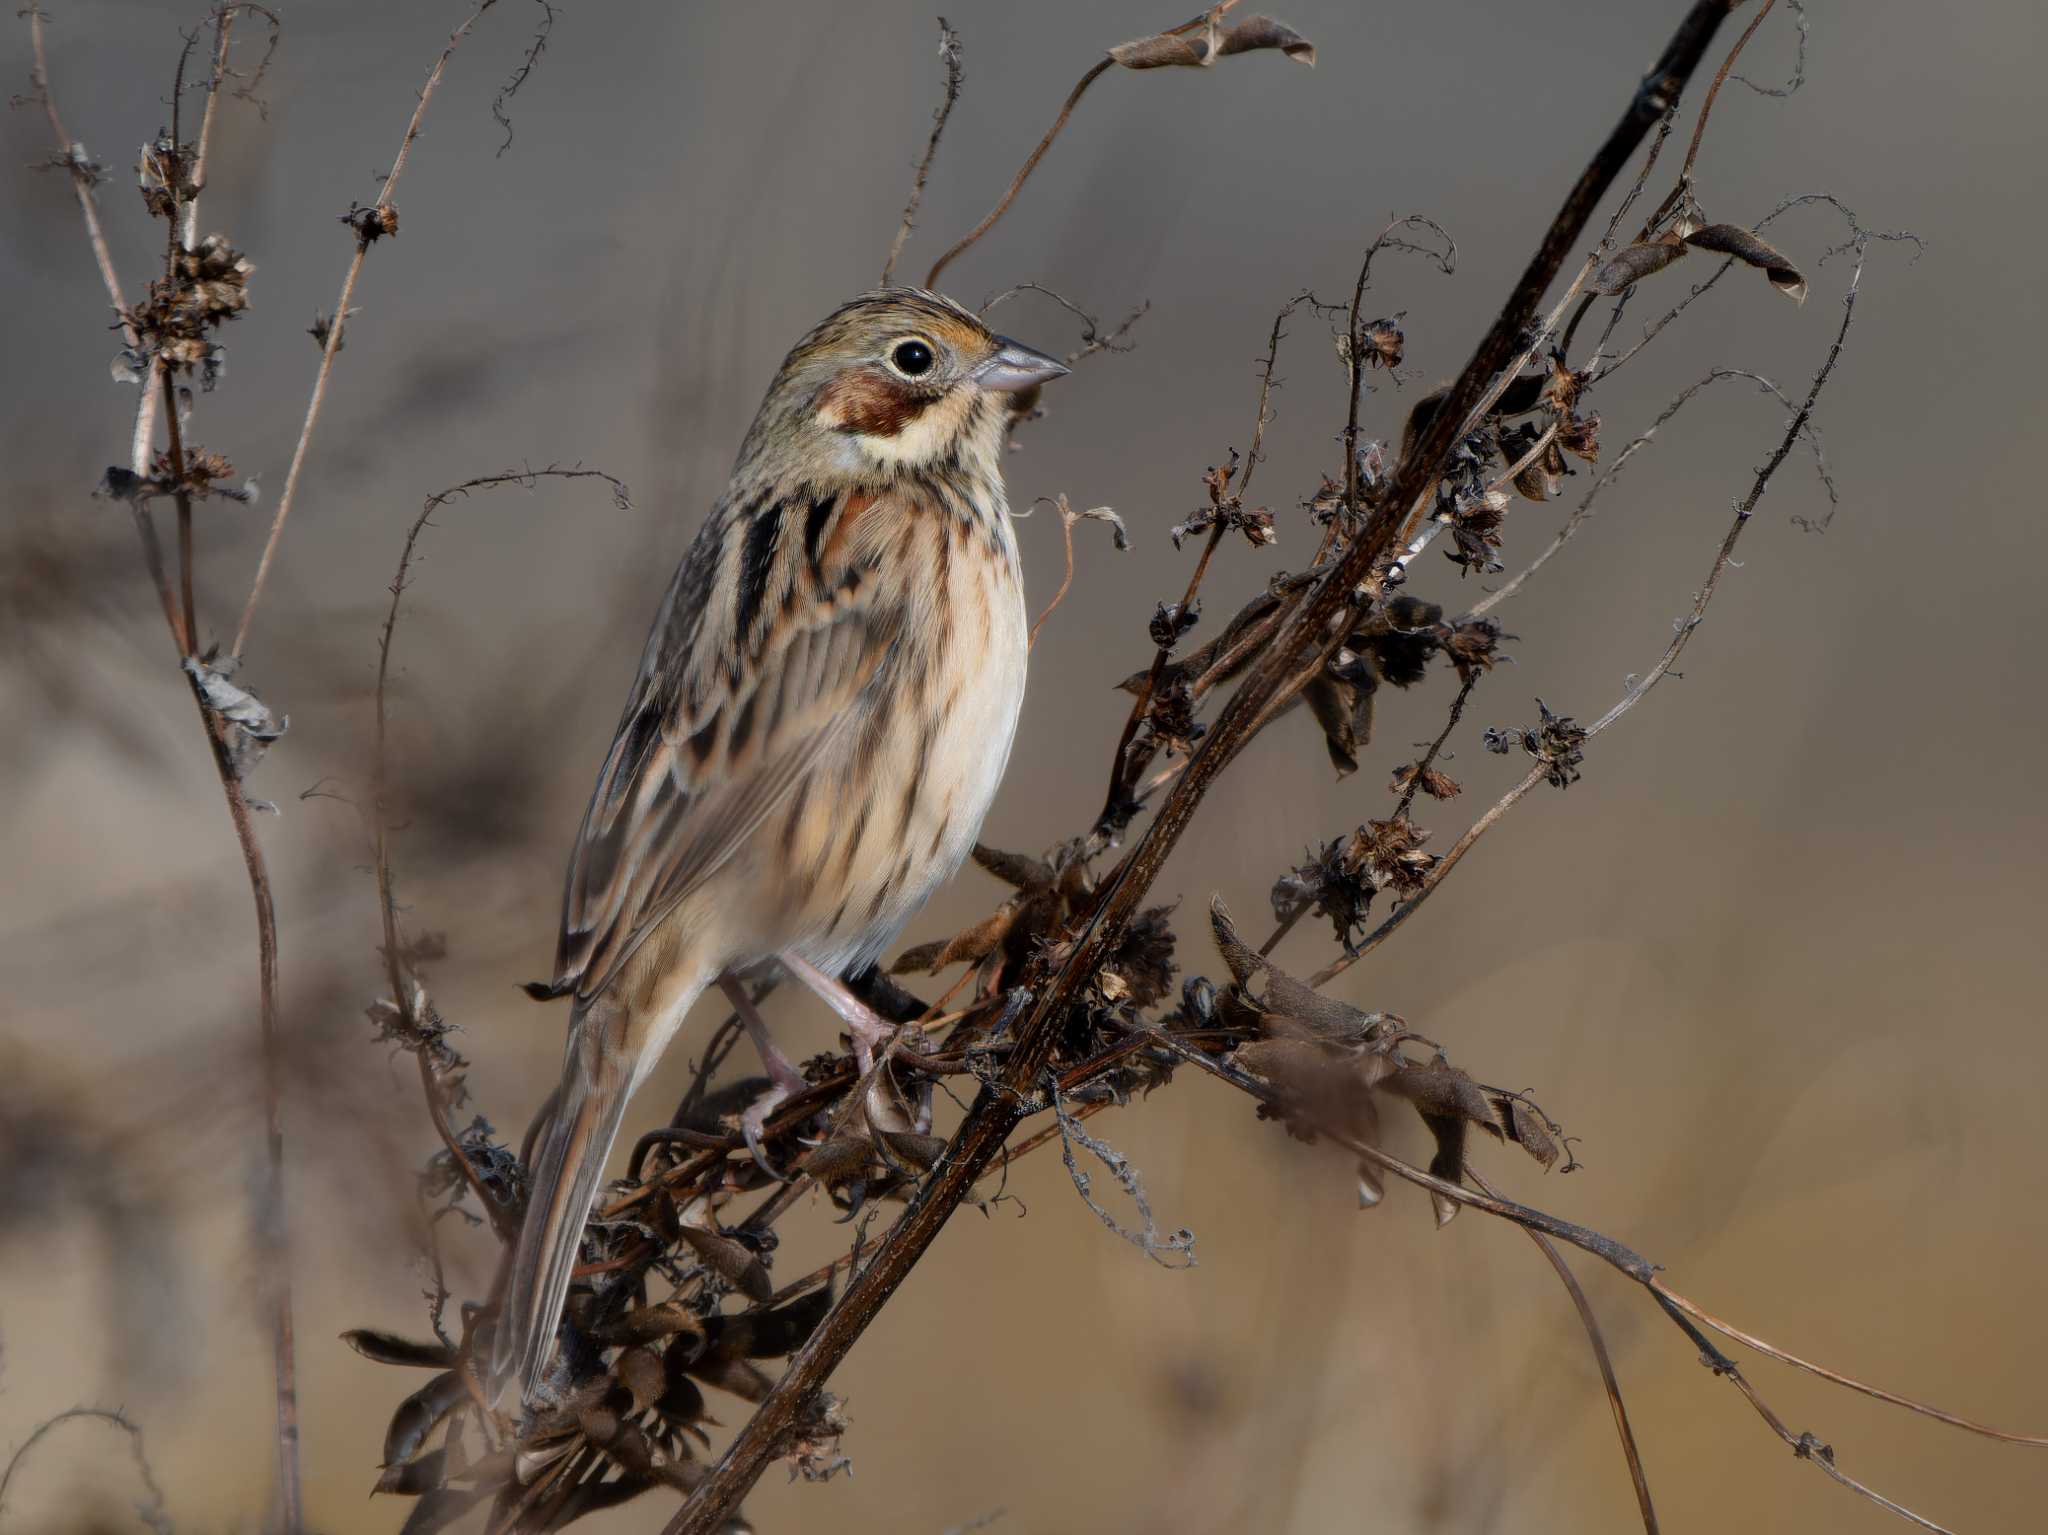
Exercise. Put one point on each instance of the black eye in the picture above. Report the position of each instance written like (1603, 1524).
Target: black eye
(912, 358)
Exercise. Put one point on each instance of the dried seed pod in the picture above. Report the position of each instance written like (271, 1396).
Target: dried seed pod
(419, 1414)
(389, 1348)
(738, 1265)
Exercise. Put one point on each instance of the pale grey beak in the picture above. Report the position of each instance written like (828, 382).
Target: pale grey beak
(1017, 367)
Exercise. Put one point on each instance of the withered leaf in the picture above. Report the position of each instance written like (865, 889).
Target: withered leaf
(839, 1158)
(440, 1508)
(1284, 996)
(1542, 478)
(909, 1154)
(737, 1376)
(971, 944)
(1734, 240)
(1632, 263)
(738, 1265)
(650, 1324)
(1343, 708)
(1527, 1127)
(1018, 870)
(414, 1477)
(642, 1373)
(1163, 50)
(1256, 32)
(1448, 1163)
(1442, 1091)
(389, 1348)
(789, 1327)
(1436, 785)
(682, 1403)
(418, 1414)
(1201, 46)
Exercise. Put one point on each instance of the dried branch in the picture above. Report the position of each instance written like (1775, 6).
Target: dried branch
(1171, 47)
(1699, 132)
(528, 62)
(380, 219)
(151, 1512)
(1598, 1342)
(1583, 512)
(412, 1019)
(1637, 688)
(949, 60)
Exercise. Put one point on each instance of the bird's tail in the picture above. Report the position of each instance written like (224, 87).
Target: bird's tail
(596, 1083)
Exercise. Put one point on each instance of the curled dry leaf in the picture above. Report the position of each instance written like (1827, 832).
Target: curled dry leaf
(1734, 240)
(1270, 994)
(389, 1348)
(651, 1324)
(1631, 264)
(406, 1437)
(1203, 45)
(738, 1265)
(1257, 32)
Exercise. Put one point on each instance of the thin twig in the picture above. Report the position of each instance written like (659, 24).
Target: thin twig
(1616, 1254)
(152, 1513)
(1637, 688)
(335, 328)
(1583, 512)
(931, 278)
(1699, 132)
(949, 60)
(1601, 1357)
(1926, 1410)
(405, 991)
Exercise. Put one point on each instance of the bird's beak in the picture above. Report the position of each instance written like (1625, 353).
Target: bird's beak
(1016, 367)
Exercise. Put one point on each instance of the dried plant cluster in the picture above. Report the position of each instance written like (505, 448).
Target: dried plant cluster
(1072, 997)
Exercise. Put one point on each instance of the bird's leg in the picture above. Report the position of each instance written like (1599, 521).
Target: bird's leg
(784, 1079)
(868, 1027)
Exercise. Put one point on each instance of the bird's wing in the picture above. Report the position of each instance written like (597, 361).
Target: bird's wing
(752, 672)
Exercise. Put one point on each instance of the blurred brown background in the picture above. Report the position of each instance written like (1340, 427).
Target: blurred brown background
(1776, 960)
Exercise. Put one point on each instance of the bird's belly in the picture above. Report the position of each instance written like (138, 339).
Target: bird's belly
(906, 819)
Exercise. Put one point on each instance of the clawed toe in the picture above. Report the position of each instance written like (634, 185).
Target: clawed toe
(754, 1121)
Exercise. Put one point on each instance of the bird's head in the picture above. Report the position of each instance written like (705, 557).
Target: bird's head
(898, 379)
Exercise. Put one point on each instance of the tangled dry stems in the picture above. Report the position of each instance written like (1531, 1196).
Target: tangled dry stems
(1070, 1005)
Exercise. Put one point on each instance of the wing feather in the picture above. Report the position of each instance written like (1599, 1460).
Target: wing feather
(735, 701)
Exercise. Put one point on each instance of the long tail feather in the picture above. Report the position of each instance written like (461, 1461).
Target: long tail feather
(589, 1106)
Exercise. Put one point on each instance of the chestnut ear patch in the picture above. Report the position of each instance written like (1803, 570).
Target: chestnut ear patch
(870, 403)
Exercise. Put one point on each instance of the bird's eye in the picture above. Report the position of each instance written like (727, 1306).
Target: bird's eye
(912, 358)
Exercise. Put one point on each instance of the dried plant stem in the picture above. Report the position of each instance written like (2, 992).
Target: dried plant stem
(151, 1512)
(1638, 688)
(1598, 1341)
(334, 330)
(1749, 1340)
(404, 993)
(1583, 512)
(1699, 131)
(1618, 1255)
(187, 628)
(81, 180)
(949, 59)
(931, 278)
(271, 1227)
(272, 1230)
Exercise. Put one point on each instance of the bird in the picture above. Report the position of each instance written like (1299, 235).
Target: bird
(816, 729)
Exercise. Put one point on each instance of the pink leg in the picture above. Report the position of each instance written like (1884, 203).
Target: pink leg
(783, 1076)
(868, 1027)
